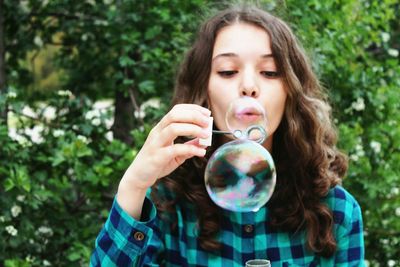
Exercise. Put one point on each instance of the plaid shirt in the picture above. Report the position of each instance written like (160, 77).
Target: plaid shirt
(123, 241)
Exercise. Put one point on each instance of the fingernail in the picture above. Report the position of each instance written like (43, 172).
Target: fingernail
(202, 152)
(206, 121)
(205, 133)
(206, 111)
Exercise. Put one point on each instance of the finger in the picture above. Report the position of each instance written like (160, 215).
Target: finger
(182, 151)
(173, 130)
(186, 115)
(203, 110)
(195, 142)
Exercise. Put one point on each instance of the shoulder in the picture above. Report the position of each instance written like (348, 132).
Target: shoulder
(344, 206)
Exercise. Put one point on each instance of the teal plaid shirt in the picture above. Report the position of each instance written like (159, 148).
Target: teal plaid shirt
(124, 241)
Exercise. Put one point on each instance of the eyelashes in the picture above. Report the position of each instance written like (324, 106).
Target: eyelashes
(231, 73)
(270, 74)
(227, 73)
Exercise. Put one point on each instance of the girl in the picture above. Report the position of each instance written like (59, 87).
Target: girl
(310, 219)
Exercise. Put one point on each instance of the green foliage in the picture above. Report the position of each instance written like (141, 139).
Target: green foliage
(354, 46)
(56, 187)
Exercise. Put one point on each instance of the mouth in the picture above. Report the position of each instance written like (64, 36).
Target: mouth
(248, 115)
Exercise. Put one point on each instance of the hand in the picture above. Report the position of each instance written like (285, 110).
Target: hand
(159, 156)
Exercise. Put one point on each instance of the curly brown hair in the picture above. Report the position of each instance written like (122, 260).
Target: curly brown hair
(307, 161)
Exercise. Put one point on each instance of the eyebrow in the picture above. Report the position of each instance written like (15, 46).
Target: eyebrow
(230, 55)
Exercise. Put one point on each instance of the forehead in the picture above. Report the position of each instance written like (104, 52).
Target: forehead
(242, 39)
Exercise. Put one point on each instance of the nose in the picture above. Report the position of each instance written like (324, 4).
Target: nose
(249, 91)
(249, 85)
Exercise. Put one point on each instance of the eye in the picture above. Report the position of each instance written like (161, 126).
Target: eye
(270, 74)
(227, 73)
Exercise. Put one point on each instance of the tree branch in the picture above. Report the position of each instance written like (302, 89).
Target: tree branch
(135, 105)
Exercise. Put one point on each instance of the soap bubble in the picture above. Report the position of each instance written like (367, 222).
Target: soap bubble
(243, 113)
(240, 176)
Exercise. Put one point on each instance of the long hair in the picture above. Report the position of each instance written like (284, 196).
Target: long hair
(307, 161)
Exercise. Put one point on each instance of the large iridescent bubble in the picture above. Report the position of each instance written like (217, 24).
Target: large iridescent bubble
(240, 175)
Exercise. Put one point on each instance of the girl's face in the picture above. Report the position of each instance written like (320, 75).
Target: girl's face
(243, 65)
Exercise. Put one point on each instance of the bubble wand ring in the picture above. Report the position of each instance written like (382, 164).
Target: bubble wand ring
(239, 134)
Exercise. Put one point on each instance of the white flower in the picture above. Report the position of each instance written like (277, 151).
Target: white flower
(360, 150)
(44, 230)
(391, 263)
(11, 230)
(25, 6)
(38, 41)
(92, 114)
(65, 93)
(151, 103)
(11, 95)
(397, 212)
(84, 37)
(96, 121)
(29, 258)
(2, 219)
(103, 104)
(28, 111)
(109, 136)
(139, 114)
(109, 122)
(376, 146)
(70, 171)
(35, 133)
(354, 157)
(45, 3)
(385, 37)
(46, 263)
(58, 133)
(15, 210)
(83, 139)
(359, 105)
(20, 198)
(49, 113)
(393, 52)
(395, 191)
(91, 2)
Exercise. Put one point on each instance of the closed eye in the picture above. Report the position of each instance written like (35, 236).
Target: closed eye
(270, 74)
(227, 73)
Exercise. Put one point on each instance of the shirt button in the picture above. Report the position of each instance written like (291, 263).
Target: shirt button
(248, 228)
(139, 236)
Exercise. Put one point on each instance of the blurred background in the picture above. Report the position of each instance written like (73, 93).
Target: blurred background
(82, 82)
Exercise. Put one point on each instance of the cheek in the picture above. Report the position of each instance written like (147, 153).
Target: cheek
(219, 103)
(276, 109)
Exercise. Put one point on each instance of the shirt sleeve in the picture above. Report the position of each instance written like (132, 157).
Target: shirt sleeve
(350, 238)
(124, 241)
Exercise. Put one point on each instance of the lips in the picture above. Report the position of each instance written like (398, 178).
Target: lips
(248, 114)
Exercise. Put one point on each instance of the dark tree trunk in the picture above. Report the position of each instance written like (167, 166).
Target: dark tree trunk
(124, 120)
(3, 87)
